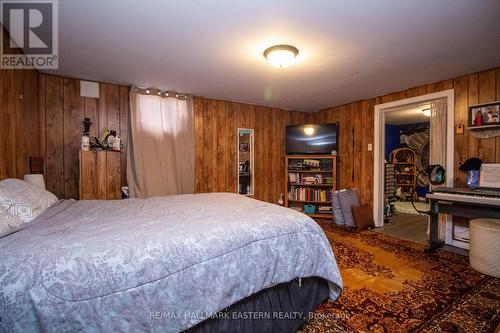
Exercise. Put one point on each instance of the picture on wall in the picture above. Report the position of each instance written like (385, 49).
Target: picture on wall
(486, 114)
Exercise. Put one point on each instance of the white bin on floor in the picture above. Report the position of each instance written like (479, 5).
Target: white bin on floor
(484, 254)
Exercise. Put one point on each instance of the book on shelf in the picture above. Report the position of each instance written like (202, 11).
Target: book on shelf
(298, 193)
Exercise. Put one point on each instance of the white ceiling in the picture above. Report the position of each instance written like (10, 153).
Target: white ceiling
(349, 50)
(408, 114)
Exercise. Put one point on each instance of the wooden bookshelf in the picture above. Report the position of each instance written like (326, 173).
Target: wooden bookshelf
(327, 170)
(407, 180)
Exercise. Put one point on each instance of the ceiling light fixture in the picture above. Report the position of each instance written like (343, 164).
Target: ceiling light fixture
(281, 55)
(427, 112)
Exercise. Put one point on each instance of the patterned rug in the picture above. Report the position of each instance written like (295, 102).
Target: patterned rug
(390, 285)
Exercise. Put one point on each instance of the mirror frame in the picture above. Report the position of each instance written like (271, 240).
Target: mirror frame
(252, 168)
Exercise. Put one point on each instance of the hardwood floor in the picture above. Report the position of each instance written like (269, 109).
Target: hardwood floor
(407, 226)
(414, 228)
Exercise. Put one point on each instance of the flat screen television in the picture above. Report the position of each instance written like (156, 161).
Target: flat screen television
(311, 139)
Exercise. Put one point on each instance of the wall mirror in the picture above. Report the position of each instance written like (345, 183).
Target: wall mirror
(245, 161)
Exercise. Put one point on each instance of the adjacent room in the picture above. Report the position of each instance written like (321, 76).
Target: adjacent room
(252, 166)
(406, 156)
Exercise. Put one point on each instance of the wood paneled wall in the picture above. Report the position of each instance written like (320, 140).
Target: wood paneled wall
(50, 121)
(216, 124)
(357, 127)
(19, 131)
(62, 110)
(355, 163)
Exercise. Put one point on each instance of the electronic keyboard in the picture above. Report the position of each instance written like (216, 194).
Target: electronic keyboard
(488, 197)
(469, 203)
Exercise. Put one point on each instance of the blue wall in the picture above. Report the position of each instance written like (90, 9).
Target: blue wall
(391, 139)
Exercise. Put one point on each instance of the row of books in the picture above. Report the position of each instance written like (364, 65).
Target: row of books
(297, 177)
(309, 194)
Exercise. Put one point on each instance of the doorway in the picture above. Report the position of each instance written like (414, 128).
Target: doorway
(407, 156)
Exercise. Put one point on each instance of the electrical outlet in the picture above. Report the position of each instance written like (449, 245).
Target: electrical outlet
(460, 129)
(370, 147)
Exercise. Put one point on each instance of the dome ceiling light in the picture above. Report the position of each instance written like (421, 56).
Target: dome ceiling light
(281, 56)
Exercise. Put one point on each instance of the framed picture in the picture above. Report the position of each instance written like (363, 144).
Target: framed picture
(484, 114)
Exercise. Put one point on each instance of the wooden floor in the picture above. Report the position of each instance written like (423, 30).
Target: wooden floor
(414, 228)
(408, 226)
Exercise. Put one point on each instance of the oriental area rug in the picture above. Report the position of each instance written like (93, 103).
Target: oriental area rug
(391, 285)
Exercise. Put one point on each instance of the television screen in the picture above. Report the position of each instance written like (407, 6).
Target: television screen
(311, 139)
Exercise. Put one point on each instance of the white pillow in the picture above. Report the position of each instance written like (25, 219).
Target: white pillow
(24, 200)
(9, 223)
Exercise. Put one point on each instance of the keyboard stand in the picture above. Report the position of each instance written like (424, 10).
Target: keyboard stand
(456, 207)
(434, 241)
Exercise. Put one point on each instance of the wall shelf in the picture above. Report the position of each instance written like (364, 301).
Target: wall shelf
(488, 112)
(490, 126)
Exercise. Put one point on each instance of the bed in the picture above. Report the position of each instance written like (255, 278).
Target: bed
(164, 264)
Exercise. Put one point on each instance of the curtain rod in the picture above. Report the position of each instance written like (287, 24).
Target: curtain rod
(161, 93)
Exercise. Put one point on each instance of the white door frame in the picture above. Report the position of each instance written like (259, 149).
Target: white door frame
(380, 110)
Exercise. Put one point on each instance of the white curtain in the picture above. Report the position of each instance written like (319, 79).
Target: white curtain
(160, 156)
(438, 145)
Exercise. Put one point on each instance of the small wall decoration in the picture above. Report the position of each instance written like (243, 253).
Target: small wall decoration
(484, 114)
